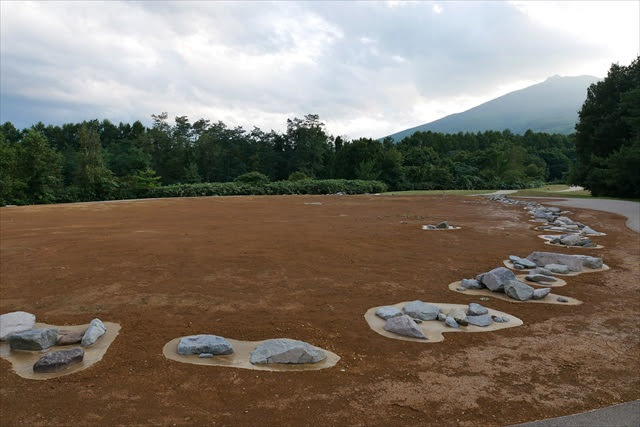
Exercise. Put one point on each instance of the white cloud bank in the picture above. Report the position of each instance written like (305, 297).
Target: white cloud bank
(368, 69)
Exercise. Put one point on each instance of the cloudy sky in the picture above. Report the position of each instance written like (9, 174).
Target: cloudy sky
(367, 68)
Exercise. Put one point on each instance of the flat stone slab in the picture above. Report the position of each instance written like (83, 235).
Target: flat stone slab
(405, 326)
(33, 339)
(16, 321)
(558, 282)
(388, 311)
(550, 299)
(421, 310)
(286, 351)
(197, 344)
(434, 329)
(58, 360)
(240, 358)
(22, 361)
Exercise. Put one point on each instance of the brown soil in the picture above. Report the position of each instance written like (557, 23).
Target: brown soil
(253, 268)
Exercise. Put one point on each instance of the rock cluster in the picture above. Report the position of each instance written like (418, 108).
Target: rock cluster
(503, 280)
(564, 263)
(444, 225)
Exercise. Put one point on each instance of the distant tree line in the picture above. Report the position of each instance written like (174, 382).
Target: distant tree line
(98, 160)
(608, 135)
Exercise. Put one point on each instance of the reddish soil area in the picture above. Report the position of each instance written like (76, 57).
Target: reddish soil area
(253, 268)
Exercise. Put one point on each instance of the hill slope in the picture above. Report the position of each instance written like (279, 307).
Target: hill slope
(551, 106)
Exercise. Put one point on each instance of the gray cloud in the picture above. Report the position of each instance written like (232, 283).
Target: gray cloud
(367, 68)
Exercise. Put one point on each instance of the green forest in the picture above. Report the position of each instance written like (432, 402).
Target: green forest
(99, 160)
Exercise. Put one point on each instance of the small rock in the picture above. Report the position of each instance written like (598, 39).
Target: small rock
(522, 261)
(589, 231)
(476, 309)
(421, 310)
(518, 290)
(34, 339)
(562, 299)
(205, 355)
(69, 337)
(95, 330)
(404, 325)
(388, 311)
(17, 321)
(557, 268)
(541, 293)
(483, 320)
(197, 344)
(288, 351)
(471, 284)
(541, 270)
(540, 278)
(461, 289)
(58, 360)
(443, 224)
(450, 322)
(418, 321)
(499, 319)
(442, 317)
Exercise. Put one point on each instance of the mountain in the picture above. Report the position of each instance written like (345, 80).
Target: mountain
(551, 106)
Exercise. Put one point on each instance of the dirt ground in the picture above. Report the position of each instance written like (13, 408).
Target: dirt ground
(254, 268)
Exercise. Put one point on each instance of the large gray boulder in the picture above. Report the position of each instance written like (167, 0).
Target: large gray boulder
(471, 284)
(388, 311)
(591, 261)
(421, 310)
(571, 240)
(482, 320)
(287, 351)
(405, 326)
(518, 290)
(95, 330)
(495, 279)
(17, 321)
(196, 344)
(59, 360)
(476, 309)
(541, 293)
(34, 339)
(541, 259)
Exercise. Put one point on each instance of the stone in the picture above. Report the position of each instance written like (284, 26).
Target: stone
(540, 278)
(571, 240)
(288, 351)
(388, 311)
(451, 322)
(458, 314)
(483, 320)
(557, 268)
(197, 344)
(541, 270)
(421, 310)
(205, 355)
(34, 339)
(499, 319)
(522, 261)
(16, 321)
(495, 279)
(95, 330)
(562, 299)
(443, 224)
(442, 317)
(542, 259)
(58, 360)
(418, 321)
(476, 309)
(405, 326)
(518, 290)
(429, 227)
(591, 261)
(471, 284)
(589, 231)
(69, 337)
(541, 293)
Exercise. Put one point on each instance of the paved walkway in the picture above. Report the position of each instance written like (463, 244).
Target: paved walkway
(623, 415)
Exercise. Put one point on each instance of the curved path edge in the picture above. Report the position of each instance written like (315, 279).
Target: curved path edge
(622, 415)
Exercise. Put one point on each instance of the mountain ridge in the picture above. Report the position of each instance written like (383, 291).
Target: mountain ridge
(550, 106)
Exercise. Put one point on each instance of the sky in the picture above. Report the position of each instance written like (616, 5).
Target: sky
(368, 69)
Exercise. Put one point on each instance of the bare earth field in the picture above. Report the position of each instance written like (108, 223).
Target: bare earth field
(253, 268)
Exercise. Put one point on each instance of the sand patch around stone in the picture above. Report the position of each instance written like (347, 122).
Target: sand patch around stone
(549, 237)
(22, 361)
(549, 299)
(241, 356)
(605, 267)
(558, 283)
(434, 329)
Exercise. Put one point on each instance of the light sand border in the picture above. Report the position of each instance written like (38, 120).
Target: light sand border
(605, 267)
(558, 283)
(434, 329)
(22, 360)
(548, 237)
(241, 358)
(549, 299)
(441, 229)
